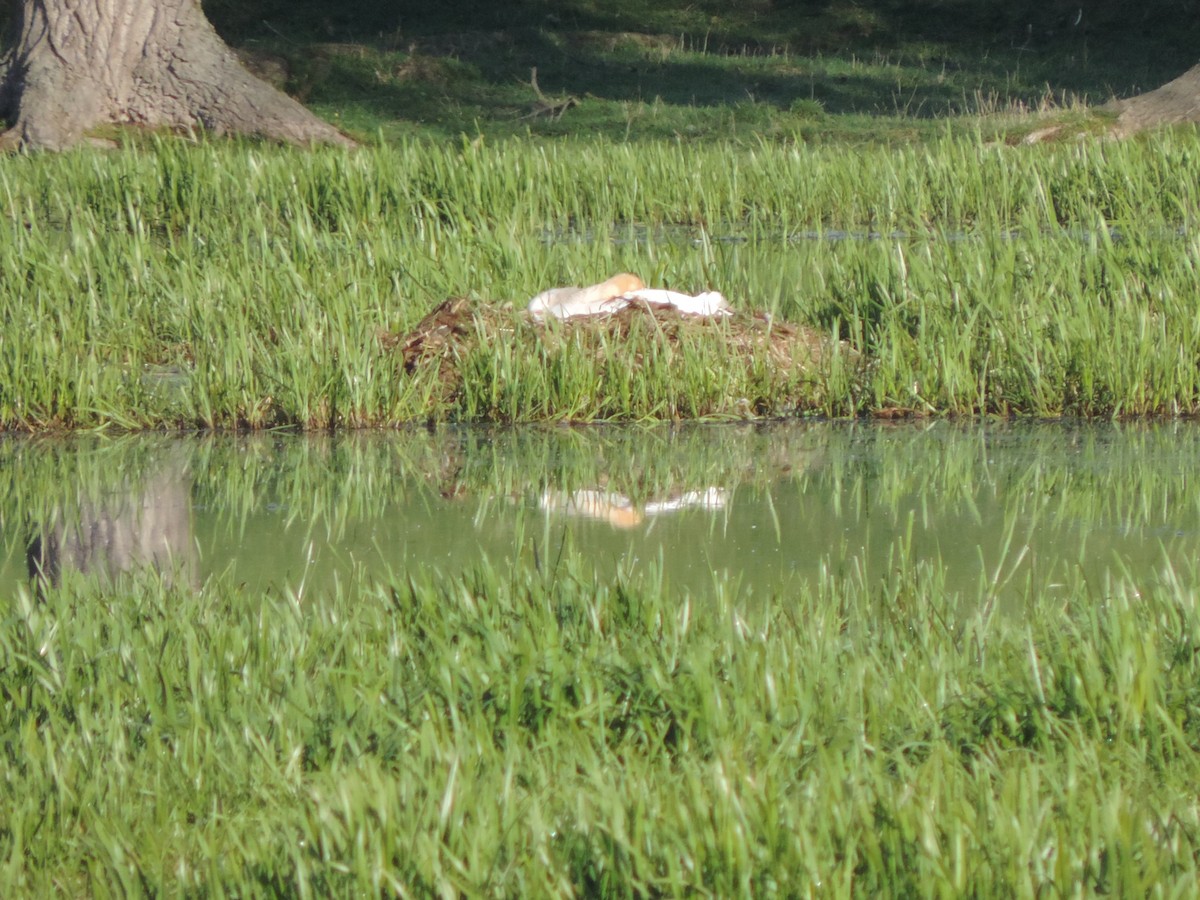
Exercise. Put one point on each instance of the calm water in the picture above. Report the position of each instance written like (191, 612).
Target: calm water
(755, 508)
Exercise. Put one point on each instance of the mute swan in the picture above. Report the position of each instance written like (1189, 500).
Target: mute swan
(618, 292)
(569, 302)
(710, 303)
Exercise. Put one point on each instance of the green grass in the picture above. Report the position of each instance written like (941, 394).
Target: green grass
(817, 72)
(544, 731)
(539, 732)
(223, 285)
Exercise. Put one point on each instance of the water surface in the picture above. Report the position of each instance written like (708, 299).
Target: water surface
(747, 509)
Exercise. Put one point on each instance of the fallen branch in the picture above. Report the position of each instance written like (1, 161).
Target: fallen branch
(548, 106)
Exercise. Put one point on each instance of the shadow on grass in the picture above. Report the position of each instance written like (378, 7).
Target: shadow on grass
(465, 67)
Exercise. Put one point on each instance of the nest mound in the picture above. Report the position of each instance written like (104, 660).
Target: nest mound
(458, 327)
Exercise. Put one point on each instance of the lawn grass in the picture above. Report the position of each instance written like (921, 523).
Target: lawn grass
(836, 71)
(541, 732)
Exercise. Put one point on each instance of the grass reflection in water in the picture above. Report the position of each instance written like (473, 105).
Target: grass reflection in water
(753, 509)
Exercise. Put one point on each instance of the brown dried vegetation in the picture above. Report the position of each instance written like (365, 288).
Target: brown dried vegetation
(458, 328)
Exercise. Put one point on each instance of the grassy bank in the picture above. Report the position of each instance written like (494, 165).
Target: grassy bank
(832, 71)
(539, 733)
(220, 285)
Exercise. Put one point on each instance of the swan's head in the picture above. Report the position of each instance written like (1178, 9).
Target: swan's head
(620, 284)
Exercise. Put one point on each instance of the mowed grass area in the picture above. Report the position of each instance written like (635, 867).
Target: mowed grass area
(537, 733)
(741, 70)
(230, 285)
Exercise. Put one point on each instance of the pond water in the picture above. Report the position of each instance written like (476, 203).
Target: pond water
(749, 509)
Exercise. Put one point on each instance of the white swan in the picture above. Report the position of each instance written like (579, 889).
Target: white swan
(599, 299)
(710, 303)
(618, 292)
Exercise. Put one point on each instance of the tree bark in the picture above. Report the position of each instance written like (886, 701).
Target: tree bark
(76, 64)
(1176, 101)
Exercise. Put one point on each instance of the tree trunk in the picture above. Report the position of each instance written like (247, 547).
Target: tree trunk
(76, 64)
(1174, 102)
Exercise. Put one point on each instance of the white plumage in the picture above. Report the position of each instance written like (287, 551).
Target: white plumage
(617, 293)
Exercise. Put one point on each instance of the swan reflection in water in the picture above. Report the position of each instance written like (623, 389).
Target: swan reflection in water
(134, 526)
(619, 511)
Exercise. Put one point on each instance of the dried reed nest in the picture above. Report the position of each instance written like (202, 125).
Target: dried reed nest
(458, 327)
